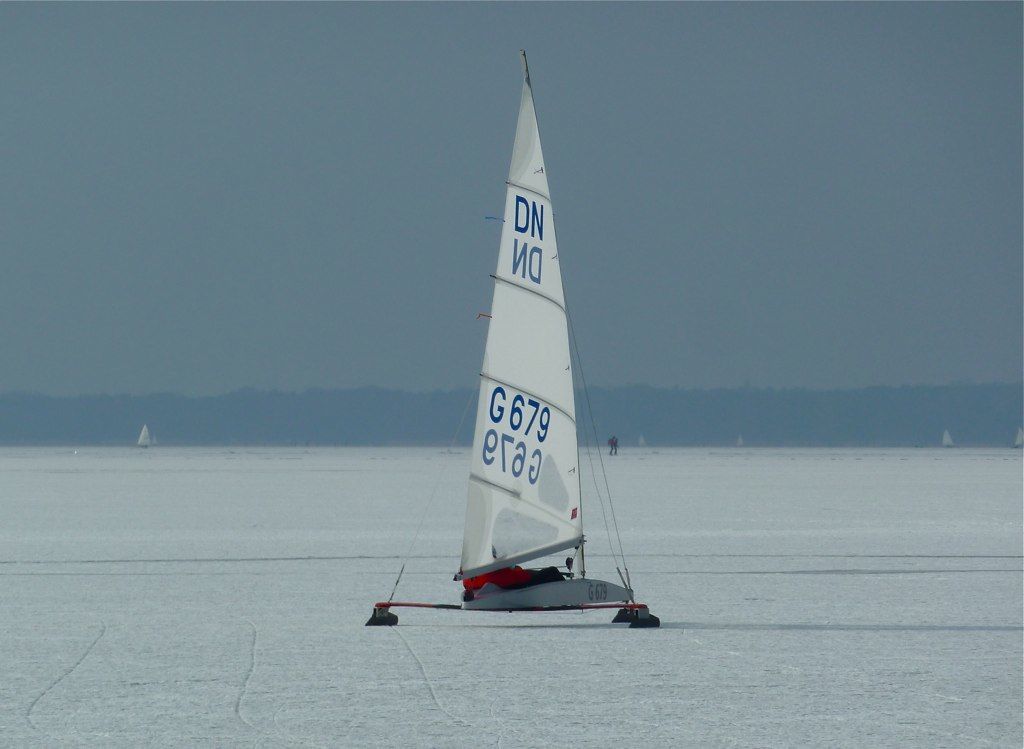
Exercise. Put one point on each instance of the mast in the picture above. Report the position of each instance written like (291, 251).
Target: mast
(526, 70)
(579, 470)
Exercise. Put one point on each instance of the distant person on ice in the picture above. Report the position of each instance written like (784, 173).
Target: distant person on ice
(613, 445)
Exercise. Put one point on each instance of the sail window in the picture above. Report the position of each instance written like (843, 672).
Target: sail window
(514, 532)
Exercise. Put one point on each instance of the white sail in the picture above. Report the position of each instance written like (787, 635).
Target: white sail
(947, 440)
(641, 442)
(144, 438)
(524, 498)
(1019, 442)
(739, 441)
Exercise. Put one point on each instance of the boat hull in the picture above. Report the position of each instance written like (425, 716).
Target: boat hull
(568, 594)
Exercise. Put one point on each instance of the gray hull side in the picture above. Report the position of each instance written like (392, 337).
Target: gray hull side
(568, 593)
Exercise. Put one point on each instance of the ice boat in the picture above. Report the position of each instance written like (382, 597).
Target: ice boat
(947, 440)
(524, 498)
(144, 439)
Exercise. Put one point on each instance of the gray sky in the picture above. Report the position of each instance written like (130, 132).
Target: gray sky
(197, 198)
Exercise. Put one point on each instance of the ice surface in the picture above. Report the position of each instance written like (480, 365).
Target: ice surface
(217, 597)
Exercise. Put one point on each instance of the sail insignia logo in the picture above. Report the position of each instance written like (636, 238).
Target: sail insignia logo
(574, 513)
(526, 260)
(529, 219)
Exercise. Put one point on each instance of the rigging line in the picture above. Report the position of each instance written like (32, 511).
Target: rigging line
(433, 493)
(590, 459)
(593, 424)
(607, 529)
(590, 410)
(600, 498)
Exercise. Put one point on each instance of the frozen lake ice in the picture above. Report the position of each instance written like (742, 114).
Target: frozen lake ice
(217, 597)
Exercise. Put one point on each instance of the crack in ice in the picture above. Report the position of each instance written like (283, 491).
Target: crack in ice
(245, 681)
(426, 679)
(59, 679)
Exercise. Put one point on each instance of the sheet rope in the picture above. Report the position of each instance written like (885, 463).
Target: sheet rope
(607, 487)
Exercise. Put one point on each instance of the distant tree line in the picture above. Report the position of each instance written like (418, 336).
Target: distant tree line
(875, 416)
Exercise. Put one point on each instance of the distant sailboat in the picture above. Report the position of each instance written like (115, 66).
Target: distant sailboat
(144, 439)
(947, 441)
(739, 441)
(641, 442)
(1019, 442)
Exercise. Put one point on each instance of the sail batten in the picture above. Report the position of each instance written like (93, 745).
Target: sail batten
(510, 183)
(565, 413)
(523, 497)
(516, 496)
(516, 284)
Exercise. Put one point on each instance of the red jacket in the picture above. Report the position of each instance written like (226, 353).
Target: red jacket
(503, 578)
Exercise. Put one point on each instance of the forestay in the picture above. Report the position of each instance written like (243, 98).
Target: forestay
(524, 497)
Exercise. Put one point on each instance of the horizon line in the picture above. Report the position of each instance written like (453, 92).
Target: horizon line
(249, 389)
